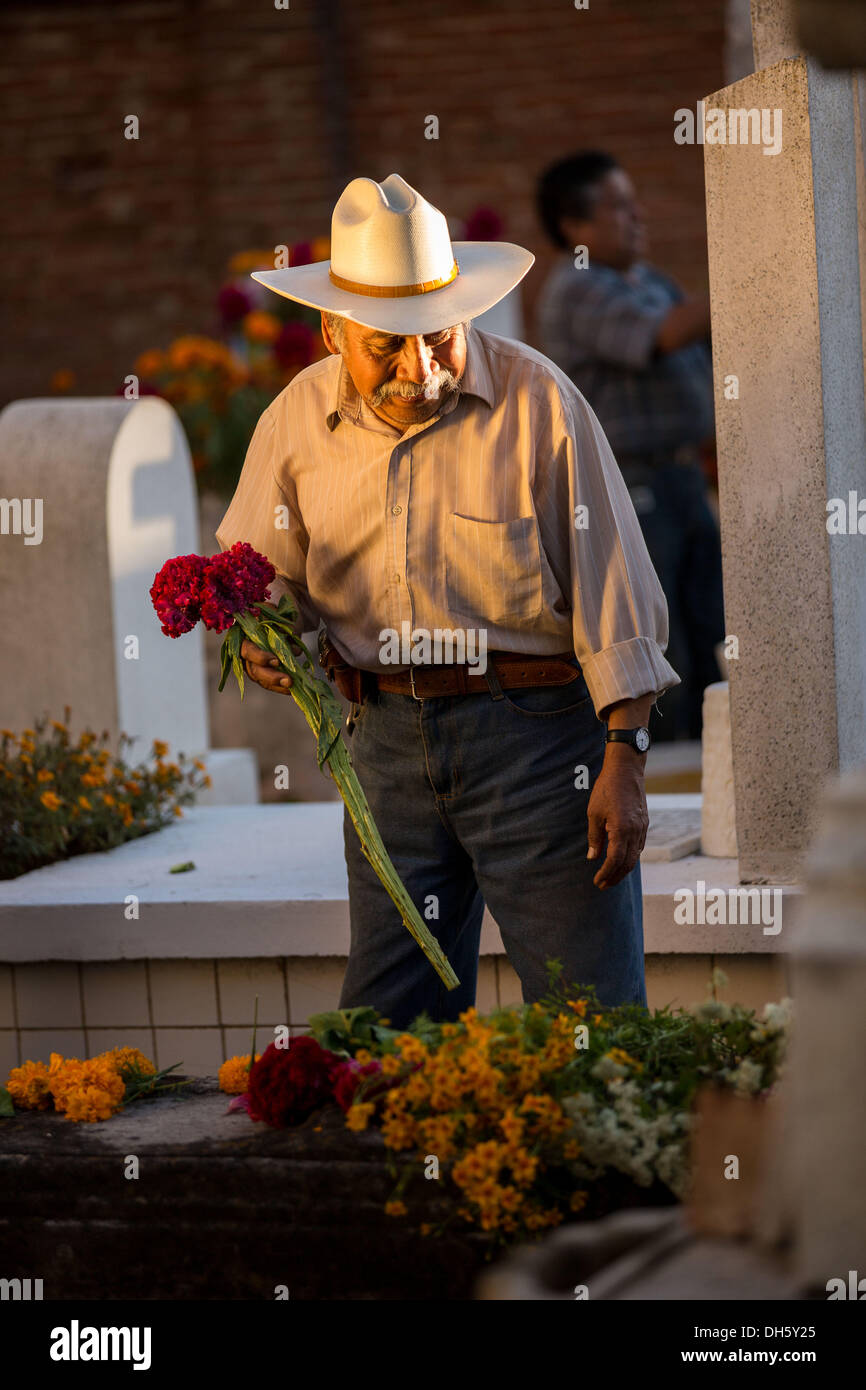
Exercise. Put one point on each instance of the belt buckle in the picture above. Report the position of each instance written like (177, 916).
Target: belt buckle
(419, 698)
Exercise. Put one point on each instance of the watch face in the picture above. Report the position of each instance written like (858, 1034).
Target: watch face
(641, 740)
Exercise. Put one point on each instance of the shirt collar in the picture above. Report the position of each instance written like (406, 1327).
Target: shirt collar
(347, 404)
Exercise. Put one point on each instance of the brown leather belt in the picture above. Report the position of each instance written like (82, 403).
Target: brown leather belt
(505, 671)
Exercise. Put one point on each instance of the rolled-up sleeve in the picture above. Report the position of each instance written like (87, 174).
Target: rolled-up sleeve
(264, 512)
(619, 611)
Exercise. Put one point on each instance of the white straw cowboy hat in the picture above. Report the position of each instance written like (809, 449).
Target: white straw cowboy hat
(394, 267)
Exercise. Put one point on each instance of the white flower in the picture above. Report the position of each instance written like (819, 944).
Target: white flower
(777, 1017)
(747, 1079)
(715, 1009)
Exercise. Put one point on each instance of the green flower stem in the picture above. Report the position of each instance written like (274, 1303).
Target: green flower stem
(322, 711)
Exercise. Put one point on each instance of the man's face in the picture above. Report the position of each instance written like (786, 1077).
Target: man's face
(403, 379)
(615, 235)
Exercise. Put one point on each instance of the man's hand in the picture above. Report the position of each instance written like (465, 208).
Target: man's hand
(617, 808)
(263, 667)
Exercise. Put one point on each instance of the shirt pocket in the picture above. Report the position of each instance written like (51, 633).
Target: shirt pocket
(493, 569)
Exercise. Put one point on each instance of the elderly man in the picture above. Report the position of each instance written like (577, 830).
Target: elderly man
(432, 475)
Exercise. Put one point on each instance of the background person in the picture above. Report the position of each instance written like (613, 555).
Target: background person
(638, 349)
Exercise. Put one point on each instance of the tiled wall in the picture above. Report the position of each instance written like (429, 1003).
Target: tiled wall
(201, 1012)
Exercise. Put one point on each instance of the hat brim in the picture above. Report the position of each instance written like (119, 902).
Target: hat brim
(488, 271)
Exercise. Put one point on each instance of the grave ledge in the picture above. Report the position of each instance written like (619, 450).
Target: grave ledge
(235, 902)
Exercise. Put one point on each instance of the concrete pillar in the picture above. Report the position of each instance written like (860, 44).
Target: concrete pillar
(825, 1132)
(791, 433)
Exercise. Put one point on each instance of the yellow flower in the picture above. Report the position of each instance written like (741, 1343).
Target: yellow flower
(358, 1115)
(577, 1201)
(92, 779)
(197, 762)
(618, 1055)
(49, 800)
(44, 775)
(84, 803)
(411, 1049)
(178, 811)
(160, 749)
(108, 798)
(28, 1086)
(395, 1209)
(206, 782)
(61, 728)
(28, 745)
(7, 733)
(234, 1074)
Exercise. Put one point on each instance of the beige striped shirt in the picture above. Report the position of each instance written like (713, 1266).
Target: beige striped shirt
(504, 512)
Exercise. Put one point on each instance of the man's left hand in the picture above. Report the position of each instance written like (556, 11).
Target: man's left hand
(617, 809)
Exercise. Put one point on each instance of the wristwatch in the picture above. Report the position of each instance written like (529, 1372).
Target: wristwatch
(638, 738)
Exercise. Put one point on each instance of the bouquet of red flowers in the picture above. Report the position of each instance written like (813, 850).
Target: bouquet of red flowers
(227, 592)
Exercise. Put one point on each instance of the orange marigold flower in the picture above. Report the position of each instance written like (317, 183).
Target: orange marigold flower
(261, 327)
(149, 362)
(28, 1086)
(84, 803)
(44, 775)
(160, 749)
(51, 801)
(125, 1059)
(395, 1209)
(108, 798)
(235, 1073)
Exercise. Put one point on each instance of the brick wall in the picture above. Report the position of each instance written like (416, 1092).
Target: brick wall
(253, 119)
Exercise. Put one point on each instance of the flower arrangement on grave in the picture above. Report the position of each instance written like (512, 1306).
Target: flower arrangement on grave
(62, 796)
(89, 1090)
(535, 1114)
(219, 384)
(227, 592)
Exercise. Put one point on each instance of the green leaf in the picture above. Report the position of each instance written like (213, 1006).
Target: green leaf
(6, 1106)
(225, 660)
(182, 868)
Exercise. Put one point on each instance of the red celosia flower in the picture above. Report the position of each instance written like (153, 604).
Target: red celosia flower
(177, 593)
(484, 224)
(349, 1078)
(232, 582)
(293, 345)
(288, 1084)
(233, 304)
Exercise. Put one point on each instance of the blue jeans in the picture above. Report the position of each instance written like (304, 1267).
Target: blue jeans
(475, 800)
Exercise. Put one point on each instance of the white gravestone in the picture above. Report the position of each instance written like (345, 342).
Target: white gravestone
(111, 484)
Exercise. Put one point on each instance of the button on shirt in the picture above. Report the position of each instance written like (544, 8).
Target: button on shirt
(600, 326)
(504, 511)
